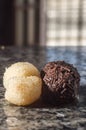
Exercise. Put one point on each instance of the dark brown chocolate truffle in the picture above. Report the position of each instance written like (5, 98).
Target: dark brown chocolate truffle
(61, 82)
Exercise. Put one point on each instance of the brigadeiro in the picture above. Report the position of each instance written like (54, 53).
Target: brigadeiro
(61, 82)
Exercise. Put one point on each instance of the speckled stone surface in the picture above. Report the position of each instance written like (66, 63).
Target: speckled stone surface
(37, 116)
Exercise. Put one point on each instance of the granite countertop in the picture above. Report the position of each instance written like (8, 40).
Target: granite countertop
(39, 117)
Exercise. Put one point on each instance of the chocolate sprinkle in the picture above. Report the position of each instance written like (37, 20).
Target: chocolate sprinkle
(60, 82)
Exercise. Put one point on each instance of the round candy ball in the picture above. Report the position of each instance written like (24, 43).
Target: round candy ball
(61, 82)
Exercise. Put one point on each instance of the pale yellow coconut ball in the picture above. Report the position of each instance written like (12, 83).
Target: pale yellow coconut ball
(23, 83)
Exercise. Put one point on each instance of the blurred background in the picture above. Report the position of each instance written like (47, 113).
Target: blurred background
(43, 22)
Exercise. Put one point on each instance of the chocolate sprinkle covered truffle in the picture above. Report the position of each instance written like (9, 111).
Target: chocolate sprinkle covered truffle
(61, 82)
